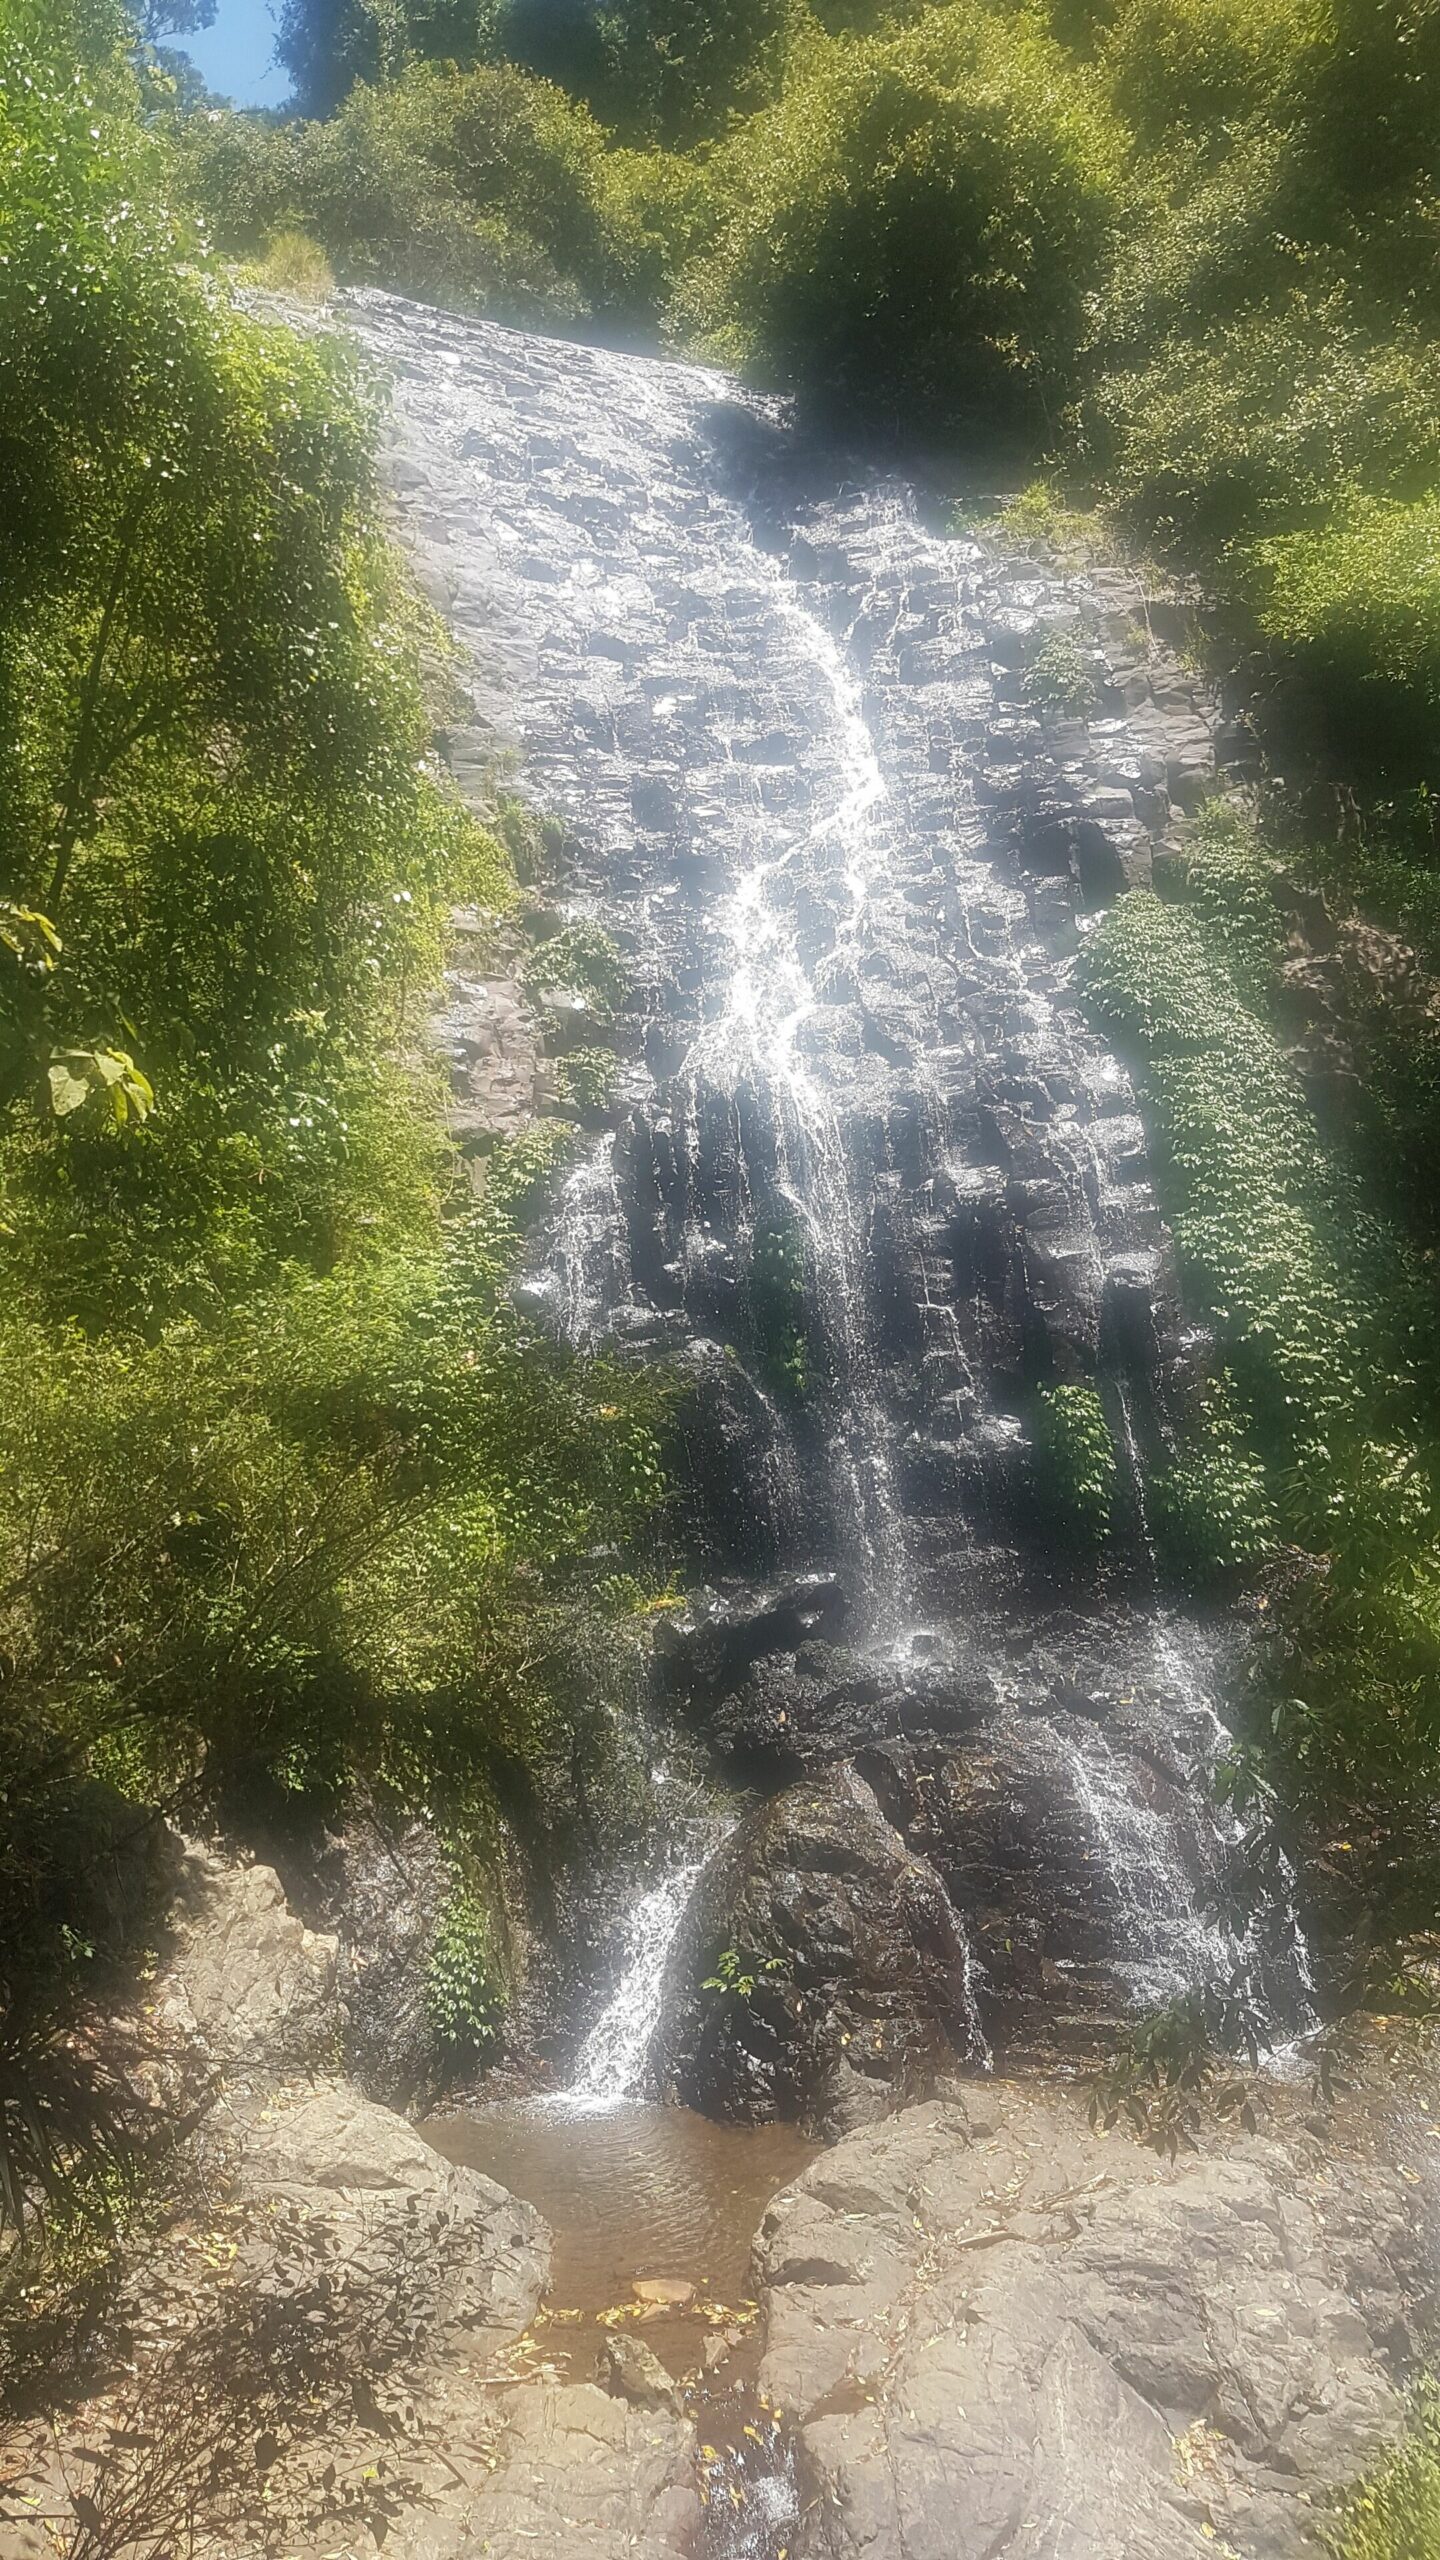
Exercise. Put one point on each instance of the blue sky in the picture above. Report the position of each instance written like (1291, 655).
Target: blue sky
(234, 57)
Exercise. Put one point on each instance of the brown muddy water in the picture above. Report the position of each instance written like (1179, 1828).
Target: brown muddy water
(635, 2194)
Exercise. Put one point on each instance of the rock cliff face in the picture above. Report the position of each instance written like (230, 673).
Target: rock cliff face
(867, 1180)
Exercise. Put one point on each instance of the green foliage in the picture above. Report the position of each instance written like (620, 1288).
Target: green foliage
(915, 226)
(1173, 2071)
(1040, 519)
(1230, 886)
(486, 189)
(1183, 71)
(1077, 1469)
(1324, 1329)
(461, 1996)
(1251, 1191)
(68, 2131)
(1060, 677)
(737, 1976)
(1361, 595)
(289, 1492)
(1394, 2513)
(296, 265)
(674, 70)
(1212, 1503)
(328, 46)
(579, 960)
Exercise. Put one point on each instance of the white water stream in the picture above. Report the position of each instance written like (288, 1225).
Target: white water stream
(610, 2067)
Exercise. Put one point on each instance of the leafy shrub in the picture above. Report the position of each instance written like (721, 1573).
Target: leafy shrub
(486, 189)
(70, 2128)
(738, 1976)
(1235, 431)
(295, 264)
(1212, 1504)
(580, 959)
(1077, 1467)
(1362, 595)
(461, 1996)
(914, 227)
(1185, 70)
(779, 1303)
(676, 70)
(1173, 2071)
(1060, 678)
(1040, 519)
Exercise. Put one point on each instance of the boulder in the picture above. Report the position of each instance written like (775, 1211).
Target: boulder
(475, 2257)
(245, 1989)
(383, 1885)
(843, 1972)
(1005, 2338)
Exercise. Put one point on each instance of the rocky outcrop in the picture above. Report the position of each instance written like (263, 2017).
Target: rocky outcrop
(245, 1989)
(582, 2476)
(317, 2312)
(381, 1884)
(1003, 2337)
(820, 1972)
(987, 1852)
(844, 791)
(477, 2257)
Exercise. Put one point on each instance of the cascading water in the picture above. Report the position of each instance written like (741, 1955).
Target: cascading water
(872, 1182)
(610, 2065)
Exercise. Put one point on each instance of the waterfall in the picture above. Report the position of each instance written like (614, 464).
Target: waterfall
(610, 2065)
(785, 729)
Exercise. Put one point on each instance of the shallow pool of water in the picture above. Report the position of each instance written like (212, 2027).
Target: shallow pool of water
(634, 2194)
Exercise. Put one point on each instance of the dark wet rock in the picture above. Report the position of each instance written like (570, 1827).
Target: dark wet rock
(843, 1972)
(992, 2325)
(383, 1884)
(709, 1645)
(795, 1711)
(736, 1463)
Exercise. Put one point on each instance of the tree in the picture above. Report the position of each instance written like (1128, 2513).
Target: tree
(162, 18)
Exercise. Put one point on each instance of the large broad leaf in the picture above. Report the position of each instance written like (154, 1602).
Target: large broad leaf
(108, 1077)
(69, 1087)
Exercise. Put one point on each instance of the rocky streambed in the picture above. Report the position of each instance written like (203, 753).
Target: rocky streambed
(974, 2328)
